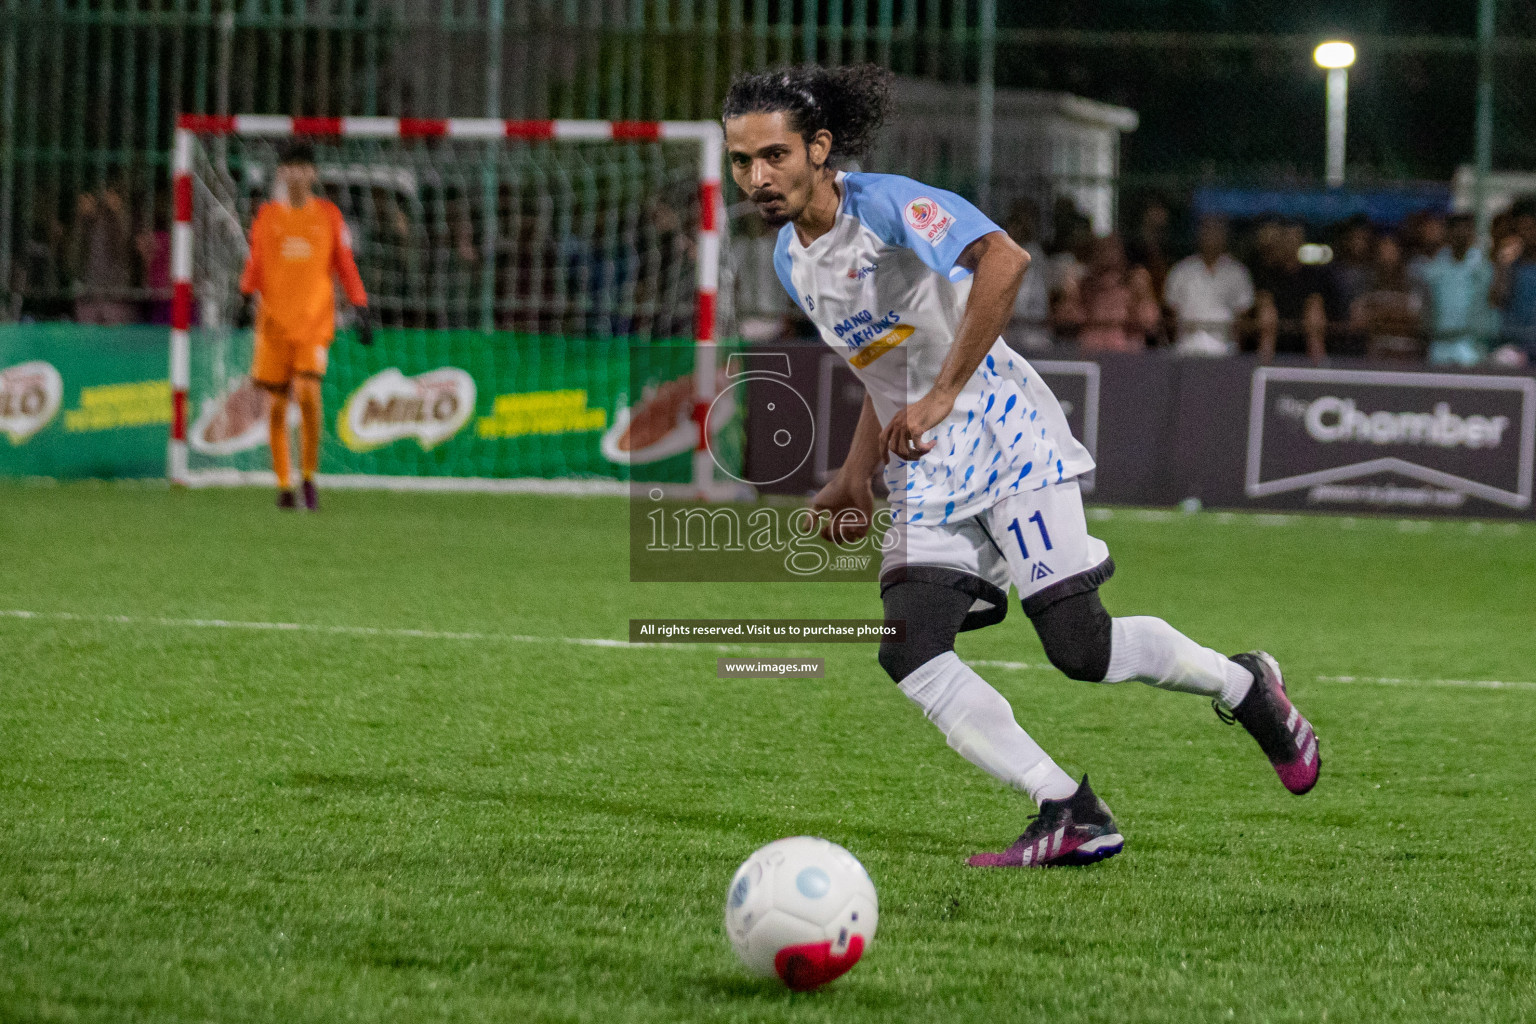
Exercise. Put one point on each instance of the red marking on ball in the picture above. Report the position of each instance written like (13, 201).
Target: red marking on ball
(812, 964)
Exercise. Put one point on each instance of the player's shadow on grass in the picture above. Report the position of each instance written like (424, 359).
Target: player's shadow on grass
(703, 818)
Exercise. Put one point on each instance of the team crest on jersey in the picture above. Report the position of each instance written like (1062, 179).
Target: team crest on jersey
(928, 219)
(296, 247)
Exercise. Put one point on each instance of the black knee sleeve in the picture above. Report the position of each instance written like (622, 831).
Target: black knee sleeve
(1077, 633)
(932, 613)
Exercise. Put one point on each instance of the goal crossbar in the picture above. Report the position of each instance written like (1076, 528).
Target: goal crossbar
(708, 135)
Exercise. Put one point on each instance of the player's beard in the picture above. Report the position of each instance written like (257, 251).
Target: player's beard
(774, 208)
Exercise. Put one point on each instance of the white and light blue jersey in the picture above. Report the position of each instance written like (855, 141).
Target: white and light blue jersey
(885, 292)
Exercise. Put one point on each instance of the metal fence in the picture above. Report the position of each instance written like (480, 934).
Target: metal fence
(89, 88)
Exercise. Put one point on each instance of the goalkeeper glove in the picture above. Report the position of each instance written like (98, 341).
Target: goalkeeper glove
(245, 316)
(364, 326)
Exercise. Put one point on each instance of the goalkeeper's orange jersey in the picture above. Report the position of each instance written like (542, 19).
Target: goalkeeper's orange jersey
(294, 252)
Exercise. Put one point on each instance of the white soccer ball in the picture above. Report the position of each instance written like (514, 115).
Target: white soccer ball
(802, 910)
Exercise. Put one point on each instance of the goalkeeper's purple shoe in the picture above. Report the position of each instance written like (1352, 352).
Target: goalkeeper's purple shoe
(311, 496)
(1285, 736)
(1076, 830)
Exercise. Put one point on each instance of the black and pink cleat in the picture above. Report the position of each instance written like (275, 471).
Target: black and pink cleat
(1073, 831)
(1285, 736)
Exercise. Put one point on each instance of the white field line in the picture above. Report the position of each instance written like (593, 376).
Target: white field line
(366, 631)
(1480, 684)
(579, 641)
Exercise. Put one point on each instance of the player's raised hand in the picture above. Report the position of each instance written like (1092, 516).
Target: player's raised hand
(847, 509)
(904, 434)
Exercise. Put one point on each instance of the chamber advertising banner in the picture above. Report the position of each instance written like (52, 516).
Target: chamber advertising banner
(1326, 438)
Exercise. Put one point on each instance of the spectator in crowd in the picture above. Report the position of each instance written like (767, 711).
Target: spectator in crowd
(1423, 236)
(153, 243)
(1350, 275)
(1113, 307)
(1069, 246)
(1514, 285)
(101, 259)
(664, 283)
(1030, 329)
(1207, 292)
(1502, 226)
(455, 258)
(1150, 247)
(1455, 284)
(1388, 314)
(761, 306)
(527, 264)
(1265, 243)
(38, 276)
(1351, 271)
(1067, 222)
(1291, 301)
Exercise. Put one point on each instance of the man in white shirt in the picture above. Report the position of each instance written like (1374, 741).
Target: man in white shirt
(1207, 293)
(913, 286)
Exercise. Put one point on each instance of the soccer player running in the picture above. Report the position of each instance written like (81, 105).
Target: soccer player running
(298, 242)
(913, 286)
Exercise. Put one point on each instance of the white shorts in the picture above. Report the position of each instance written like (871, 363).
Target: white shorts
(1038, 541)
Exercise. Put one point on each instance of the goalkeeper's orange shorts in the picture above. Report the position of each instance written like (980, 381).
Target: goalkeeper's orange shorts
(279, 357)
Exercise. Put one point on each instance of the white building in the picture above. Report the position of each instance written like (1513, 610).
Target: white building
(1045, 145)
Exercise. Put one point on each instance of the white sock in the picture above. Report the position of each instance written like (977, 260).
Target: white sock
(978, 723)
(1151, 651)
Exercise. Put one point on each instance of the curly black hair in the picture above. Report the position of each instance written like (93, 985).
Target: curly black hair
(296, 151)
(849, 102)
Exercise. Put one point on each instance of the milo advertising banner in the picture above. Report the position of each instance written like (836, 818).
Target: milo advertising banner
(80, 401)
(466, 405)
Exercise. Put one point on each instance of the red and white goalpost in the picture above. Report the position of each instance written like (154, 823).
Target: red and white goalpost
(193, 130)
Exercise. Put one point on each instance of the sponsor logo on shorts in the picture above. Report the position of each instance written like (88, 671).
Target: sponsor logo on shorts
(30, 396)
(930, 220)
(389, 407)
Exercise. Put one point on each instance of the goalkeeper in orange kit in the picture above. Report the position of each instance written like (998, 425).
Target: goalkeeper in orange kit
(297, 243)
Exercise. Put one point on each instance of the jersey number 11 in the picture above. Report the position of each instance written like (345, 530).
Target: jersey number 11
(1039, 521)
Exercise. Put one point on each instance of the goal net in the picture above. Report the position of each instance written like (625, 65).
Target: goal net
(543, 295)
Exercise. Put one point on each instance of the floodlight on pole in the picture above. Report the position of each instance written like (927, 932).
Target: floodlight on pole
(1336, 57)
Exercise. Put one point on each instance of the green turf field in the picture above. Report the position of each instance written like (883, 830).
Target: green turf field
(204, 822)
